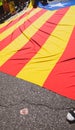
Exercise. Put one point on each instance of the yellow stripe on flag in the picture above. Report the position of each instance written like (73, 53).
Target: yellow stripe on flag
(21, 40)
(20, 22)
(43, 62)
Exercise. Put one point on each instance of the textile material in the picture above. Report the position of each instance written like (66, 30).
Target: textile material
(38, 47)
(57, 5)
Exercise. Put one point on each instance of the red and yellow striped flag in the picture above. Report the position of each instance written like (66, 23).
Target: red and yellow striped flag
(38, 46)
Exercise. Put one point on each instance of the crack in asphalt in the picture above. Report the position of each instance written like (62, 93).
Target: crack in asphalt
(34, 104)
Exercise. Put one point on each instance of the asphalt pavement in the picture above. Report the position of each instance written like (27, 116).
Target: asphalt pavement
(46, 110)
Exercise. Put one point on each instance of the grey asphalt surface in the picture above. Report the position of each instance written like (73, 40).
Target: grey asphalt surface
(46, 110)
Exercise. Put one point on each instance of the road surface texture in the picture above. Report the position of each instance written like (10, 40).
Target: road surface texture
(46, 110)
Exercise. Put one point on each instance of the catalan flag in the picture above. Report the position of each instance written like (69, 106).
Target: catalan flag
(39, 46)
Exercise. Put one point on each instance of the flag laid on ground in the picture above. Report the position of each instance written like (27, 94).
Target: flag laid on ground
(54, 5)
(38, 46)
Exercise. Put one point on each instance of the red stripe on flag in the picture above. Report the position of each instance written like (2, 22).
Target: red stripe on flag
(24, 55)
(62, 78)
(10, 24)
(18, 31)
